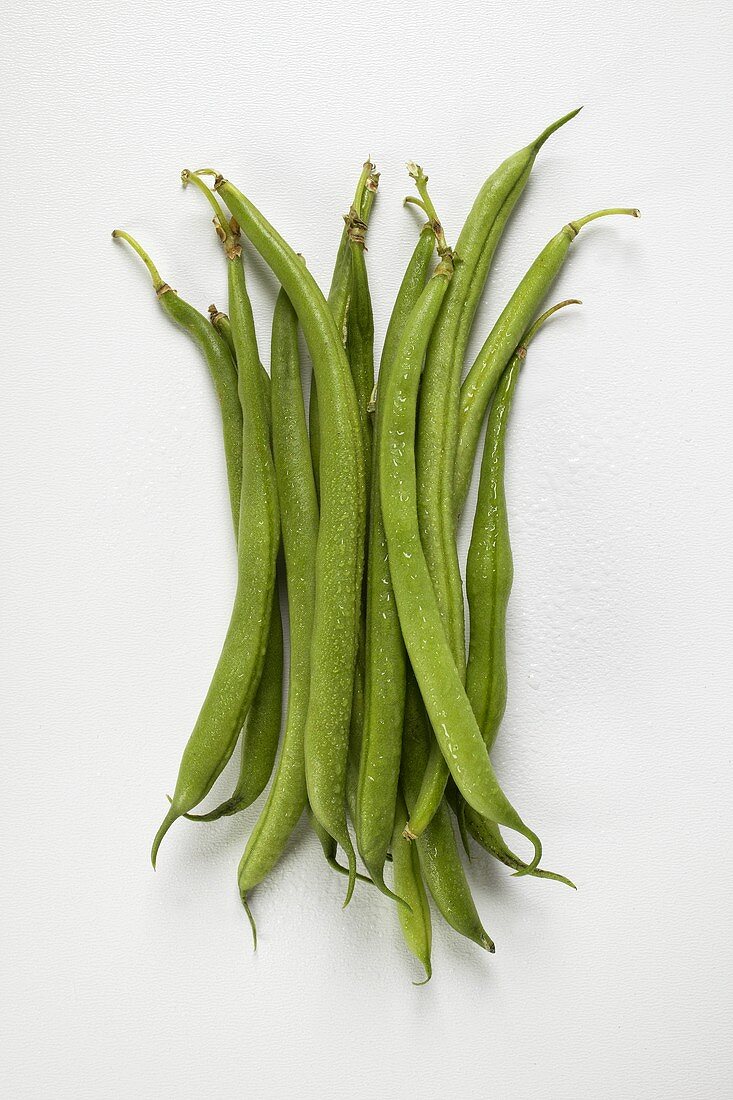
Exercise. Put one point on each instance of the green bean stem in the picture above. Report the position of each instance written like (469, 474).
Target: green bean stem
(384, 688)
(481, 380)
(430, 654)
(341, 532)
(438, 417)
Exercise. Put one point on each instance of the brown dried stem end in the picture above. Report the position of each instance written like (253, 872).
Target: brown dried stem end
(355, 228)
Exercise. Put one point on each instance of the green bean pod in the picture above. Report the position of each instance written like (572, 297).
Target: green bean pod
(438, 854)
(439, 396)
(261, 731)
(240, 664)
(340, 292)
(481, 380)
(440, 684)
(384, 687)
(489, 568)
(341, 533)
(414, 917)
(299, 519)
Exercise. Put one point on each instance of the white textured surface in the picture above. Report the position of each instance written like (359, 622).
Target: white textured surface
(118, 565)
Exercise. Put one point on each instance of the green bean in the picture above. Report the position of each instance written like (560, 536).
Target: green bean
(240, 664)
(439, 395)
(341, 531)
(489, 569)
(384, 688)
(430, 655)
(340, 291)
(414, 917)
(220, 365)
(223, 326)
(262, 729)
(299, 518)
(493, 357)
(437, 851)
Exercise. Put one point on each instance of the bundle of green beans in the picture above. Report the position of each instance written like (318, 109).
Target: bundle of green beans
(389, 724)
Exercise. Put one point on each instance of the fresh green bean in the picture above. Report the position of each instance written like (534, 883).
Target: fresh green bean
(440, 861)
(220, 364)
(481, 380)
(414, 917)
(340, 291)
(425, 638)
(261, 731)
(240, 664)
(262, 728)
(384, 690)
(489, 568)
(299, 517)
(439, 396)
(341, 530)
(201, 764)
(223, 326)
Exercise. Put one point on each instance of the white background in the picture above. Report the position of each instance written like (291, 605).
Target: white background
(118, 565)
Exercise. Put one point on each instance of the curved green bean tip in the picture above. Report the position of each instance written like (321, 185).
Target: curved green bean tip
(417, 173)
(537, 325)
(158, 284)
(428, 974)
(534, 863)
(168, 820)
(225, 809)
(251, 920)
(334, 864)
(630, 211)
(550, 130)
(487, 943)
(352, 872)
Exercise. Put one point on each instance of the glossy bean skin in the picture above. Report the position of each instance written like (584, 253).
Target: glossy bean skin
(341, 532)
(384, 686)
(430, 655)
(438, 415)
(240, 664)
(339, 293)
(261, 732)
(262, 728)
(414, 917)
(299, 519)
(438, 854)
(482, 378)
(489, 567)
